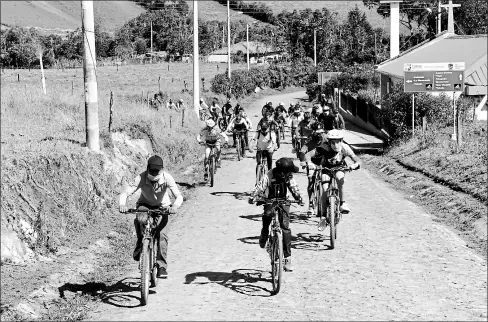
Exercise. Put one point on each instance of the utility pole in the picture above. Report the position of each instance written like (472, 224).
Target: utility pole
(439, 16)
(247, 45)
(151, 39)
(394, 26)
(196, 74)
(228, 38)
(90, 77)
(315, 47)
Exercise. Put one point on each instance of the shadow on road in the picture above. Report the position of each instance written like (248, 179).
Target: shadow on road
(118, 294)
(302, 218)
(241, 281)
(249, 240)
(308, 241)
(252, 217)
(235, 194)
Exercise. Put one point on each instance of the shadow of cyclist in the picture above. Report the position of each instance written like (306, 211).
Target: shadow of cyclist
(243, 281)
(252, 217)
(308, 241)
(237, 195)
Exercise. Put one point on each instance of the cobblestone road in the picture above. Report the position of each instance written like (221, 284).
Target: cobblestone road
(391, 262)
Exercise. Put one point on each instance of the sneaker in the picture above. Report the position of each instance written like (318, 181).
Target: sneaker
(288, 267)
(162, 273)
(137, 251)
(205, 176)
(219, 164)
(344, 208)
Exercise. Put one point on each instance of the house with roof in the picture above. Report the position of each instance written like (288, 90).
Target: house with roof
(446, 47)
(258, 52)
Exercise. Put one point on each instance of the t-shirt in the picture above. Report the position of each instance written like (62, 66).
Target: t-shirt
(330, 157)
(211, 136)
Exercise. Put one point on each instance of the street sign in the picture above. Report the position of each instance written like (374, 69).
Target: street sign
(445, 77)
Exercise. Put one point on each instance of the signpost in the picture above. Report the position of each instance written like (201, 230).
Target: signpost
(434, 77)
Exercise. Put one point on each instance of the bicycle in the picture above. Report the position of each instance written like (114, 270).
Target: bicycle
(317, 189)
(212, 159)
(275, 240)
(147, 260)
(240, 143)
(299, 144)
(205, 115)
(281, 130)
(330, 203)
(262, 167)
(223, 123)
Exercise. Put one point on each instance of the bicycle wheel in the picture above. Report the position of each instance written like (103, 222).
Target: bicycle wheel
(154, 267)
(238, 149)
(243, 145)
(222, 124)
(211, 168)
(145, 272)
(277, 261)
(331, 214)
(259, 174)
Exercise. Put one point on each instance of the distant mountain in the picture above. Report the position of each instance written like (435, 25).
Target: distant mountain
(66, 15)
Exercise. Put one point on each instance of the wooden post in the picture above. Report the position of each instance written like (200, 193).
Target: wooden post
(72, 87)
(142, 98)
(117, 67)
(43, 79)
(170, 121)
(18, 77)
(111, 112)
(424, 123)
(459, 128)
(182, 117)
(147, 98)
(159, 83)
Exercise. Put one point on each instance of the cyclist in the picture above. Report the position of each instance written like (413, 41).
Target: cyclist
(304, 128)
(247, 119)
(333, 152)
(338, 120)
(170, 105)
(327, 119)
(203, 105)
(267, 107)
(318, 137)
(280, 119)
(273, 125)
(180, 105)
(226, 114)
(322, 101)
(275, 185)
(211, 134)
(295, 118)
(239, 123)
(155, 185)
(265, 140)
(291, 109)
(215, 110)
(280, 109)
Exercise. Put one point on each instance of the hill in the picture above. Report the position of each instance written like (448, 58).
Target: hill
(66, 15)
(341, 7)
(212, 10)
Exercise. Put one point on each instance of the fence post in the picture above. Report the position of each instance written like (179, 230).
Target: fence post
(413, 115)
(424, 123)
(18, 77)
(147, 98)
(459, 128)
(159, 83)
(142, 98)
(117, 67)
(111, 112)
(72, 87)
(170, 121)
(182, 117)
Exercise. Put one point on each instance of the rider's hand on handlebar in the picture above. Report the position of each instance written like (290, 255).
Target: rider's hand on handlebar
(123, 208)
(201, 143)
(172, 210)
(251, 201)
(355, 166)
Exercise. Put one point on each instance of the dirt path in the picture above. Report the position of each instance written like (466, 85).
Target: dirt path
(392, 261)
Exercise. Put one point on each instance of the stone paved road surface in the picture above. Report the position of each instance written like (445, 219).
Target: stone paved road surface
(392, 262)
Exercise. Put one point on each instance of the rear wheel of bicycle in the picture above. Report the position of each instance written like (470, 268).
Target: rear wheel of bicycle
(277, 262)
(154, 270)
(211, 168)
(331, 214)
(259, 174)
(238, 147)
(145, 272)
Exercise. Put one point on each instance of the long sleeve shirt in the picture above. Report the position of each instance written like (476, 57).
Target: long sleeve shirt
(239, 126)
(269, 187)
(265, 141)
(330, 157)
(152, 194)
(212, 136)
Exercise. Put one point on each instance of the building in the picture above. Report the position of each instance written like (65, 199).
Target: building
(258, 53)
(445, 48)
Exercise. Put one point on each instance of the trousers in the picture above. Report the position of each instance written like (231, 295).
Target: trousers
(284, 224)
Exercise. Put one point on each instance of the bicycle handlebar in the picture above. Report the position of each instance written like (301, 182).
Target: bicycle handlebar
(161, 210)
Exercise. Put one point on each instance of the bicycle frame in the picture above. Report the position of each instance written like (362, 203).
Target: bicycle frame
(240, 143)
(212, 159)
(262, 167)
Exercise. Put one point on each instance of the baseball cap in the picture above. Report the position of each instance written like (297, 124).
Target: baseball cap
(287, 165)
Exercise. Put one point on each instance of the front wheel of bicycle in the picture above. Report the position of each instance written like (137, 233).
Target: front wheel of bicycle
(211, 168)
(243, 146)
(154, 267)
(331, 214)
(238, 146)
(145, 272)
(222, 124)
(277, 261)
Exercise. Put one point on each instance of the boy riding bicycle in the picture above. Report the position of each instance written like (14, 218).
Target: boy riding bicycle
(275, 185)
(332, 153)
(211, 134)
(154, 183)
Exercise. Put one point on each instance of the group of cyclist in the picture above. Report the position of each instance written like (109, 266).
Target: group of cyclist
(319, 129)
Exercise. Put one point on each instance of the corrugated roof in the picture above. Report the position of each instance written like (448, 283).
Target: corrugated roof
(254, 48)
(444, 48)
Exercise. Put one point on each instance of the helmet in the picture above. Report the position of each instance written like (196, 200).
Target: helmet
(326, 108)
(228, 100)
(281, 104)
(155, 161)
(181, 100)
(323, 95)
(318, 127)
(210, 123)
(335, 135)
(244, 114)
(308, 110)
(319, 109)
(286, 165)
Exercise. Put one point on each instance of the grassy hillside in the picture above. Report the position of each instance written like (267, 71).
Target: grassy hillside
(62, 15)
(211, 10)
